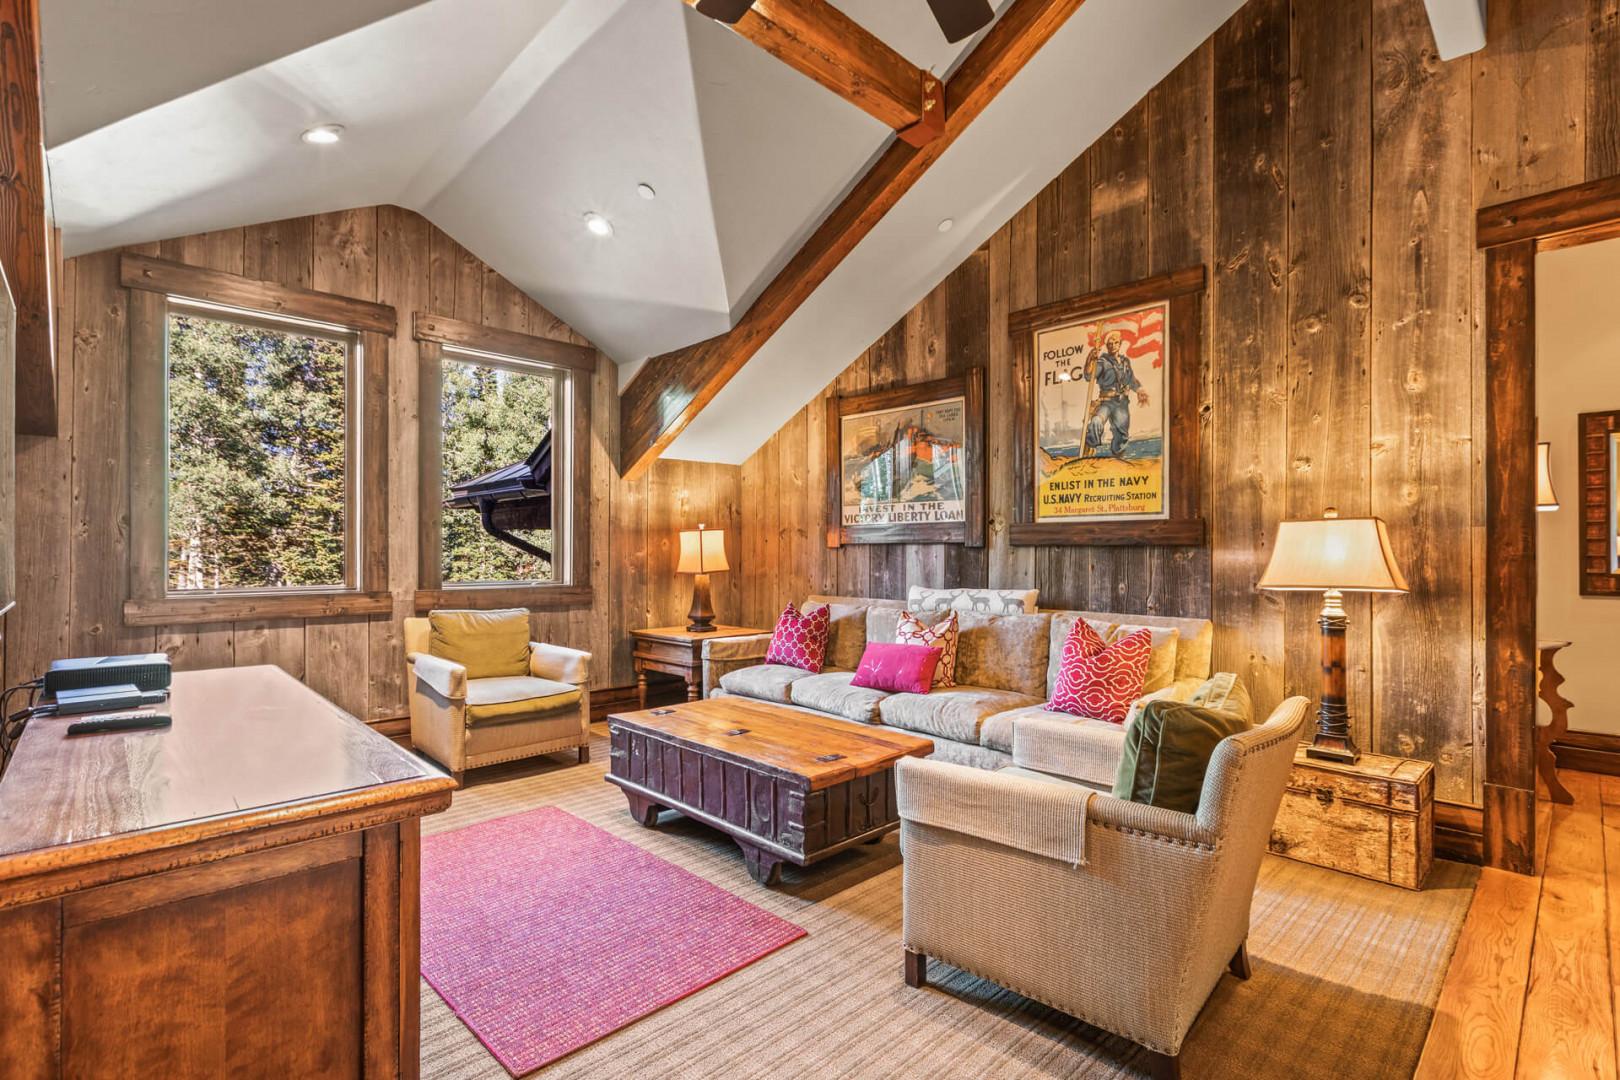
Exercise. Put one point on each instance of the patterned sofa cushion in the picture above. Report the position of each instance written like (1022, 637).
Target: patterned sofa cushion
(846, 633)
(764, 682)
(830, 692)
(978, 601)
(1004, 652)
(1161, 661)
(1090, 752)
(957, 713)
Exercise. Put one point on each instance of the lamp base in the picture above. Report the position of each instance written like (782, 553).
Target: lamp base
(700, 620)
(1333, 740)
(1334, 748)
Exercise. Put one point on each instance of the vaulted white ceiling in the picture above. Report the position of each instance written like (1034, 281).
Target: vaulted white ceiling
(505, 121)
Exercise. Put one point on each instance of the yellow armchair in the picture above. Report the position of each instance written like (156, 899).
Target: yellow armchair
(463, 722)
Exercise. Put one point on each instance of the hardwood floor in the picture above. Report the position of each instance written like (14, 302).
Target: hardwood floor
(1531, 990)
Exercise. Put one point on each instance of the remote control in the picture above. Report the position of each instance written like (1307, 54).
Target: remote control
(123, 721)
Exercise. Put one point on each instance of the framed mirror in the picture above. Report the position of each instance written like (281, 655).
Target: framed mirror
(1599, 535)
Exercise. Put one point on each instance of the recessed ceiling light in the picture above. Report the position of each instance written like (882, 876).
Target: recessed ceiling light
(646, 191)
(945, 225)
(598, 224)
(324, 134)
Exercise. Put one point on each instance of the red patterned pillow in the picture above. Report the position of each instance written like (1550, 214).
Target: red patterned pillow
(1100, 681)
(942, 636)
(800, 640)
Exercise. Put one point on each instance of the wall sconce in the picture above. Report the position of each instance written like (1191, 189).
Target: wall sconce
(1546, 499)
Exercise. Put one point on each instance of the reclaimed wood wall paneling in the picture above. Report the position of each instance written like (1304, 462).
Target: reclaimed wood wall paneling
(76, 486)
(1325, 164)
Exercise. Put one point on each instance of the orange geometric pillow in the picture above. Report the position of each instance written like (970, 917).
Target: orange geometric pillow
(942, 636)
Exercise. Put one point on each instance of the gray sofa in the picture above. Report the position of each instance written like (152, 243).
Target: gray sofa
(1007, 658)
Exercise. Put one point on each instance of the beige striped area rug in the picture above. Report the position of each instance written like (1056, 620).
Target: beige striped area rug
(1346, 974)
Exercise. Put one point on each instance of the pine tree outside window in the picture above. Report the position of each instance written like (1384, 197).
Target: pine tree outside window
(261, 426)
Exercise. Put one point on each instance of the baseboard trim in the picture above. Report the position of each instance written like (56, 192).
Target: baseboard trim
(1589, 754)
(1459, 833)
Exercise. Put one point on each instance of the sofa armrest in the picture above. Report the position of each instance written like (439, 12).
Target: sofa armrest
(721, 655)
(1041, 817)
(751, 647)
(446, 676)
(560, 663)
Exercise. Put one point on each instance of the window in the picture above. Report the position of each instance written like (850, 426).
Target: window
(259, 438)
(258, 441)
(494, 411)
(505, 485)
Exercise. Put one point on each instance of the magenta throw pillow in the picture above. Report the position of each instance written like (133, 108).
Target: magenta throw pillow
(1097, 680)
(800, 640)
(899, 669)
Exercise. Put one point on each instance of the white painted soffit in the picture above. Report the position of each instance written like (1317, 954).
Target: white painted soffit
(1102, 62)
(110, 59)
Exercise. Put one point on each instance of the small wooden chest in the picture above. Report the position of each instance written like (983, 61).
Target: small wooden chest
(1374, 818)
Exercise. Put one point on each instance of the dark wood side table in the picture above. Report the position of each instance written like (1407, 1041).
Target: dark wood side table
(675, 650)
(234, 895)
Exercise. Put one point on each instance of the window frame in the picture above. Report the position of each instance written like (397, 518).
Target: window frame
(156, 287)
(573, 367)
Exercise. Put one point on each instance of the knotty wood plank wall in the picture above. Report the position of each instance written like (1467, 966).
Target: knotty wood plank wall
(1324, 164)
(72, 536)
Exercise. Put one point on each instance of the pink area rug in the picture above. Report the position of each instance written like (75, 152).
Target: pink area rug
(544, 933)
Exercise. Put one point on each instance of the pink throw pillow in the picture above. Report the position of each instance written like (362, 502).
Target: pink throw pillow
(942, 636)
(899, 669)
(800, 640)
(1100, 681)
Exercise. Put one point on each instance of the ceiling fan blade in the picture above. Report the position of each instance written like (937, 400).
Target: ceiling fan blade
(726, 11)
(958, 18)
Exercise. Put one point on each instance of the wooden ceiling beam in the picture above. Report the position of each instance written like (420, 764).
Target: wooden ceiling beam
(818, 40)
(672, 388)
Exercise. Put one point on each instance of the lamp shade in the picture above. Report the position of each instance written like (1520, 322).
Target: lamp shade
(703, 551)
(1347, 554)
(1546, 499)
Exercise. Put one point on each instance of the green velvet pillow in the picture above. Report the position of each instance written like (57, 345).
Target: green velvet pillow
(1169, 744)
(487, 643)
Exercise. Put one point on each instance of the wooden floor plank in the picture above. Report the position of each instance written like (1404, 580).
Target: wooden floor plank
(1475, 1033)
(1568, 1027)
(1610, 790)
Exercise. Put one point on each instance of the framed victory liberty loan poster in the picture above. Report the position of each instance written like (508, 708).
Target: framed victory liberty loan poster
(1106, 417)
(906, 465)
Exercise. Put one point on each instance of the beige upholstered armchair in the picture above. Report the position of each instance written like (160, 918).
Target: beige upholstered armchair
(1128, 925)
(463, 722)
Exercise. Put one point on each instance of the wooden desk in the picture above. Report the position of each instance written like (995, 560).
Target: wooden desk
(235, 895)
(675, 650)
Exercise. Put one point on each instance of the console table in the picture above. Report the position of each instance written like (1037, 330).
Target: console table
(234, 895)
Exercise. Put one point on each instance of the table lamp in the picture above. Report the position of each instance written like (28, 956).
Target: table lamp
(1333, 556)
(703, 552)
(1546, 499)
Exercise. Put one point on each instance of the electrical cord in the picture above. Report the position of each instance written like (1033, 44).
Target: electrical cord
(13, 723)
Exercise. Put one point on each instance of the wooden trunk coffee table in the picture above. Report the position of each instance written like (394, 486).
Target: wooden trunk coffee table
(788, 786)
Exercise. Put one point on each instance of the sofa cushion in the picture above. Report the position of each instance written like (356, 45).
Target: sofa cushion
(1004, 652)
(997, 732)
(1163, 659)
(800, 638)
(1224, 691)
(1099, 681)
(883, 624)
(1089, 750)
(509, 697)
(912, 630)
(957, 713)
(830, 692)
(960, 753)
(1167, 751)
(897, 669)
(846, 633)
(978, 601)
(488, 644)
(764, 682)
